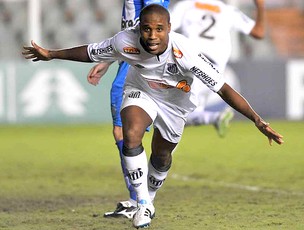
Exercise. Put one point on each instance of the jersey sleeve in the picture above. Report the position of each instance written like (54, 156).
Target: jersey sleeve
(205, 71)
(197, 64)
(241, 21)
(103, 51)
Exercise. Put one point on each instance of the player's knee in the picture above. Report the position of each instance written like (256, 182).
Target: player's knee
(161, 162)
(131, 152)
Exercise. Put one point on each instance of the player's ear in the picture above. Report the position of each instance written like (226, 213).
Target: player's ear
(169, 27)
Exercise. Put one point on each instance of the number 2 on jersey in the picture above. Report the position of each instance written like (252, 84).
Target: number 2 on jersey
(208, 22)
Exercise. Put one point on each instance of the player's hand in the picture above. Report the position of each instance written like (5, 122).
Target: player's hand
(269, 132)
(36, 53)
(97, 71)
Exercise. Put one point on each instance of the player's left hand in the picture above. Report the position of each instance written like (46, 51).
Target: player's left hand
(96, 72)
(36, 53)
(269, 132)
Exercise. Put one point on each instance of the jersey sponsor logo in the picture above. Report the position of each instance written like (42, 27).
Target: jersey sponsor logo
(131, 50)
(128, 23)
(202, 56)
(107, 49)
(209, 7)
(203, 76)
(134, 94)
(172, 68)
(159, 85)
(184, 86)
(135, 174)
(177, 53)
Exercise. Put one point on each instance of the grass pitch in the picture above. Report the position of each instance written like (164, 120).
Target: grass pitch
(66, 177)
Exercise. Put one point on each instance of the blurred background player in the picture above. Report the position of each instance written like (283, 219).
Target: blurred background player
(209, 24)
(130, 17)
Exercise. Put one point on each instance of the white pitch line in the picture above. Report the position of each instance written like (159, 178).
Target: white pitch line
(238, 186)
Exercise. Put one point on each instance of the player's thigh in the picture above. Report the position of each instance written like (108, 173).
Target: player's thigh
(137, 113)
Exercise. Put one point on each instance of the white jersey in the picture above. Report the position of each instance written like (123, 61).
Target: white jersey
(168, 78)
(208, 24)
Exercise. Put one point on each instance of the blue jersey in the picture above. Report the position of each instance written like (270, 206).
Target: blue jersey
(130, 17)
(132, 8)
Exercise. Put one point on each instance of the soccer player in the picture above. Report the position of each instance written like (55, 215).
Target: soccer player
(130, 14)
(160, 89)
(209, 23)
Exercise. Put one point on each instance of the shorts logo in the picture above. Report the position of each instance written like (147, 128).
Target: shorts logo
(134, 94)
(174, 135)
(135, 174)
(131, 50)
(177, 53)
(139, 66)
(172, 68)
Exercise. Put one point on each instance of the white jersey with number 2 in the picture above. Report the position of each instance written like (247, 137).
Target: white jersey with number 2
(208, 24)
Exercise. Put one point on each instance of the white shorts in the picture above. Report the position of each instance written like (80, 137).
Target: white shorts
(164, 117)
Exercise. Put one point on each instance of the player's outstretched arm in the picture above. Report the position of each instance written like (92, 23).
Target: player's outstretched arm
(97, 71)
(258, 31)
(37, 53)
(239, 103)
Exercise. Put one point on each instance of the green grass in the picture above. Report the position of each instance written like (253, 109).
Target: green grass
(66, 177)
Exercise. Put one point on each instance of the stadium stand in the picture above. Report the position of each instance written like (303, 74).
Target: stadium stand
(72, 22)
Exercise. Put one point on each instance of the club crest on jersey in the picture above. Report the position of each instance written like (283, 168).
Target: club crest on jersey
(177, 53)
(172, 68)
(131, 50)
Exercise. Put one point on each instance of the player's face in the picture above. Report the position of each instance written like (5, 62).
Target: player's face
(154, 30)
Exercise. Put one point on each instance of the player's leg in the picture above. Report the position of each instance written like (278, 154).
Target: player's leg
(168, 128)
(138, 112)
(124, 208)
(159, 163)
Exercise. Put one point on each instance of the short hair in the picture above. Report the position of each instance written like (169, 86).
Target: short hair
(154, 8)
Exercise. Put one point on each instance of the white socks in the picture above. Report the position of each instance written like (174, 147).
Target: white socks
(145, 179)
(155, 180)
(137, 168)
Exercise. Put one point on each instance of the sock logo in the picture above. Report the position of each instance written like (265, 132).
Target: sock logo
(135, 174)
(154, 183)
